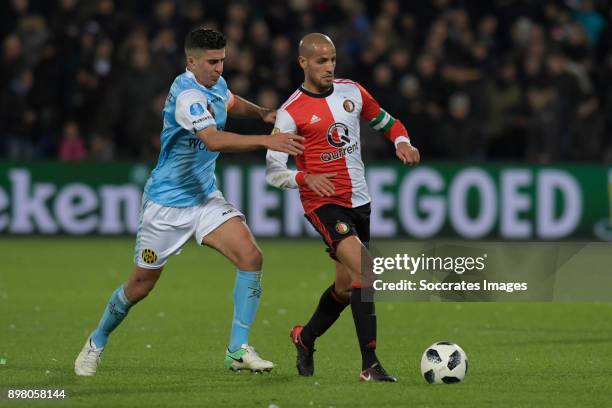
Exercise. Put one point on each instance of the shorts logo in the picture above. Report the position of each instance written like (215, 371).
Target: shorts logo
(342, 227)
(196, 109)
(348, 105)
(149, 256)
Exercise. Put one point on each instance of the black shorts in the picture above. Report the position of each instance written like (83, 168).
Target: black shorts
(335, 222)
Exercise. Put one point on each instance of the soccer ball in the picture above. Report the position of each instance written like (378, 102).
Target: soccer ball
(444, 363)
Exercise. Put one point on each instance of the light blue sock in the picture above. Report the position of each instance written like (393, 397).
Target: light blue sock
(247, 291)
(116, 310)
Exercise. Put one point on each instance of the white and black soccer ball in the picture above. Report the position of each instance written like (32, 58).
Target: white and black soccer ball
(444, 363)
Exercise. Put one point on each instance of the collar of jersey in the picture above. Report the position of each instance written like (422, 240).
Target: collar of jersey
(191, 75)
(317, 95)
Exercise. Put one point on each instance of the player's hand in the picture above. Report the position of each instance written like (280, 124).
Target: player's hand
(285, 143)
(321, 183)
(407, 153)
(268, 115)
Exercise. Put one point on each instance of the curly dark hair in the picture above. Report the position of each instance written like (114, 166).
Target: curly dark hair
(204, 39)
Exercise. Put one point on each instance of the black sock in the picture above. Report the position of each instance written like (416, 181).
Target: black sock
(364, 316)
(329, 309)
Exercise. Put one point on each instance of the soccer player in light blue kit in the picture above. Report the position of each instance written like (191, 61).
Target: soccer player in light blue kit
(181, 199)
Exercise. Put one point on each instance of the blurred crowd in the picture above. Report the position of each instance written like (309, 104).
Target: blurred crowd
(498, 80)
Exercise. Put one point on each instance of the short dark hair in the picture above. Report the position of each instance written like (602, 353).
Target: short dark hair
(204, 39)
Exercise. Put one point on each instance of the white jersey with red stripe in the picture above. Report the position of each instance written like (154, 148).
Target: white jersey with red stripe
(330, 124)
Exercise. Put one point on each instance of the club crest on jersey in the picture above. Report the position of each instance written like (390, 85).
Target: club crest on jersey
(149, 256)
(337, 135)
(275, 130)
(342, 227)
(348, 105)
(196, 109)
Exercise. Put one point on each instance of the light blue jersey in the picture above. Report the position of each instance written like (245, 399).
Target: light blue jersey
(185, 172)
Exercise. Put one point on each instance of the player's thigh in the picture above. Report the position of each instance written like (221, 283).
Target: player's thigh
(222, 227)
(361, 220)
(162, 232)
(354, 256)
(234, 240)
(334, 223)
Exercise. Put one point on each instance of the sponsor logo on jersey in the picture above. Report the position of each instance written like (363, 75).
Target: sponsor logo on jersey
(338, 135)
(340, 153)
(314, 119)
(342, 227)
(348, 105)
(214, 98)
(195, 122)
(196, 144)
(149, 256)
(196, 109)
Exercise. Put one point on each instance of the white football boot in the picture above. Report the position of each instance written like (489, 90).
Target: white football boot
(88, 359)
(246, 358)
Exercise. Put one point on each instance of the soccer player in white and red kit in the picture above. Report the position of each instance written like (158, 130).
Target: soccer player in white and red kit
(331, 178)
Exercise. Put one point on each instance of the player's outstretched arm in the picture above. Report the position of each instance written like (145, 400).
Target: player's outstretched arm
(221, 141)
(392, 128)
(242, 108)
(280, 176)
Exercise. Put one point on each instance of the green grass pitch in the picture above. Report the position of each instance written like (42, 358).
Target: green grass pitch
(169, 351)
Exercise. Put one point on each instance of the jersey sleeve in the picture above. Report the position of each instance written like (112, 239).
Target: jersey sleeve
(230, 101)
(277, 172)
(191, 112)
(379, 119)
(284, 122)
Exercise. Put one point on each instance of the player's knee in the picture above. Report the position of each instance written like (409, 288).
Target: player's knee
(342, 290)
(139, 290)
(250, 259)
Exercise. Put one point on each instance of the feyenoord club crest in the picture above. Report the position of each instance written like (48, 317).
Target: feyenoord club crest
(348, 105)
(342, 227)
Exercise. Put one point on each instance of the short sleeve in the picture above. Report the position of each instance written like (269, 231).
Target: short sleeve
(284, 122)
(369, 107)
(229, 101)
(191, 112)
